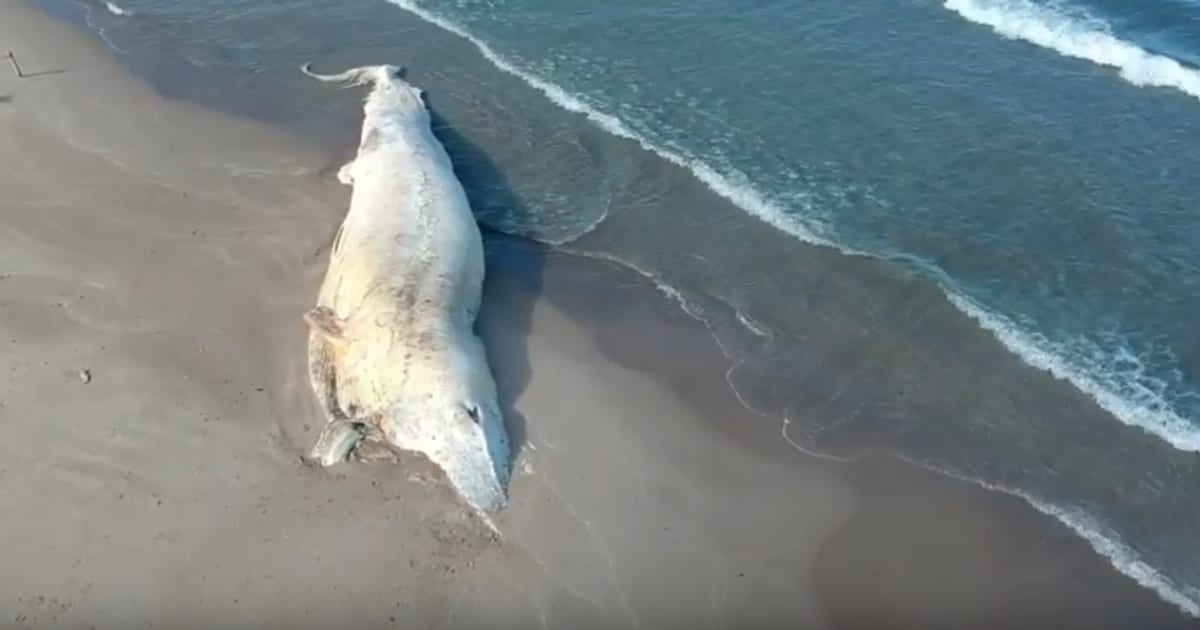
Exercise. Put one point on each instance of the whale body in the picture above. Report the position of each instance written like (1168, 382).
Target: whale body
(393, 357)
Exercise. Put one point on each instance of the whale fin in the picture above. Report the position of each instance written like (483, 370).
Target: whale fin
(355, 76)
(322, 373)
(337, 439)
(323, 320)
(374, 451)
(345, 174)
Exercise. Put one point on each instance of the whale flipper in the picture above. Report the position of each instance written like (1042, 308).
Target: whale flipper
(337, 439)
(345, 174)
(326, 323)
(323, 376)
(341, 434)
(374, 451)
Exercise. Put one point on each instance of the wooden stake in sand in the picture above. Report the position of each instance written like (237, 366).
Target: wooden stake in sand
(12, 59)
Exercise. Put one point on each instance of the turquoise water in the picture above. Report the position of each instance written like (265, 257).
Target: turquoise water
(964, 232)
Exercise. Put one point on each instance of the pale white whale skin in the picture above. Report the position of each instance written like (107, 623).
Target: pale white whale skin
(392, 351)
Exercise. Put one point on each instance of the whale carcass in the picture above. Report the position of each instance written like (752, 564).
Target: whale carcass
(393, 357)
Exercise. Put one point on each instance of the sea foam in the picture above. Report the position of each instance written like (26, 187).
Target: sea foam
(1108, 544)
(1075, 33)
(730, 184)
(116, 10)
(1123, 557)
(1144, 407)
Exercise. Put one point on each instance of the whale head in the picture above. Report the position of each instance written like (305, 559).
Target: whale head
(464, 436)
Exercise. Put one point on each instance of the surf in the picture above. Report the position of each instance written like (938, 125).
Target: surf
(726, 183)
(1078, 35)
(1122, 395)
(1102, 539)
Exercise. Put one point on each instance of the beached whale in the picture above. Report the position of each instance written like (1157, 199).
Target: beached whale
(393, 356)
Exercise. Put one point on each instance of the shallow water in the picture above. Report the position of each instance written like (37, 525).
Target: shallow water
(994, 185)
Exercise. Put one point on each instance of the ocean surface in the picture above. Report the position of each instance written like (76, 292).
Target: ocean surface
(964, 232)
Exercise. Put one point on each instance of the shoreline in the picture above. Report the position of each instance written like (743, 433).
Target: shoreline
(258, 208)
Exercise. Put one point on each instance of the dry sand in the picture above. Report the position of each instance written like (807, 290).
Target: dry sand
(168, 251)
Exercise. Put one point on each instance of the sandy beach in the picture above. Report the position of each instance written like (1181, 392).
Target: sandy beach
(155, 260)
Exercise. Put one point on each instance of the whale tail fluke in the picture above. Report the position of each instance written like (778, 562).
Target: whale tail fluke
(355, 76)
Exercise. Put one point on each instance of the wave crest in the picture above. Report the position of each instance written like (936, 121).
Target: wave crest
(1080, 36)
(730, 185)
(1144, 408)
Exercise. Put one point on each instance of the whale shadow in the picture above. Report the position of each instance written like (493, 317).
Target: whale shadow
(513, 281)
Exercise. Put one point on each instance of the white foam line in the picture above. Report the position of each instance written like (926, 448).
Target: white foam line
(735, 187)
(87, 18)
(732, 185)
(116, 10)
(752, 325)
(665, 289)
(1157, 418)
(1122, 557)
(1084, 38)
(1103, 541)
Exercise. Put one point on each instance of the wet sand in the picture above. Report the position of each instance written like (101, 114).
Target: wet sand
(154, 263)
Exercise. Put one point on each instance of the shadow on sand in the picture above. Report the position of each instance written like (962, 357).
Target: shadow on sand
(6, 98)
(513, 283)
